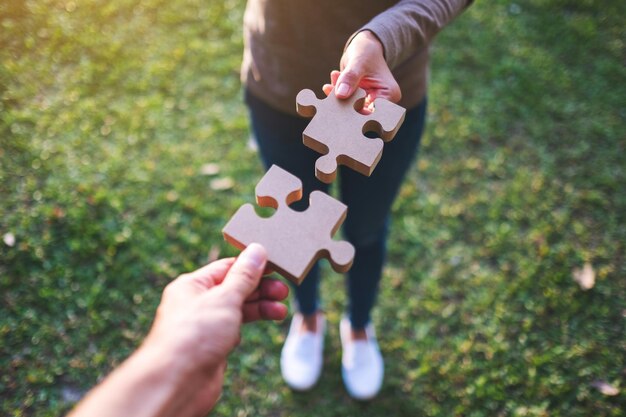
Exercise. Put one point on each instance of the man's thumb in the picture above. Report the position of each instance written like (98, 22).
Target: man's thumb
(245, 274)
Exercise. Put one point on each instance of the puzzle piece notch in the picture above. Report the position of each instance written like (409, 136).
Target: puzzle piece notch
(337, 131)
(294, 240)
(276, 188)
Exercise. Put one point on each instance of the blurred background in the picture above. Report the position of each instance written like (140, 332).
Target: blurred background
(124, 151)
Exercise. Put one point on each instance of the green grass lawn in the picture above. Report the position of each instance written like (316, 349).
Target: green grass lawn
(111, 109)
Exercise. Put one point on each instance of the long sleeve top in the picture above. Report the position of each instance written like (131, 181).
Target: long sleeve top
(294, 44)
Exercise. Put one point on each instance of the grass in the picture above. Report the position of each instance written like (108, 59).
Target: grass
(110, 109)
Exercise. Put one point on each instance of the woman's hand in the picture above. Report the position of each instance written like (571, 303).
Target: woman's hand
(363, 65)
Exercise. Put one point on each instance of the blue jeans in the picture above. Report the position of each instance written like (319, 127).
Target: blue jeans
(369, 199)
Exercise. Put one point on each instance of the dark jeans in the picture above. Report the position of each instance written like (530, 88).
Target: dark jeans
(369, 199)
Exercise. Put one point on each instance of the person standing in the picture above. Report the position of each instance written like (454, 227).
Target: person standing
(381, 46)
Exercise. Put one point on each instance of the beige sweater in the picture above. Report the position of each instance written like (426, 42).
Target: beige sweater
(294, 44)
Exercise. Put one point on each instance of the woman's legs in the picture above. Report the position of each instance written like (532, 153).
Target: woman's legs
(369, 201)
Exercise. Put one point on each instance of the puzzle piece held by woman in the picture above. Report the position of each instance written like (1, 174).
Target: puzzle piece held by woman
(337, 131)
(294, 240)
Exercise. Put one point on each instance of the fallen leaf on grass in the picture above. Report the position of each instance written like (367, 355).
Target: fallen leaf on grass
(220, 184)
(214, 253)
(210, 169)
(585, 277)
(58, 212)
(171, 196)
(71, 395)
(9, 239)
(605, 388)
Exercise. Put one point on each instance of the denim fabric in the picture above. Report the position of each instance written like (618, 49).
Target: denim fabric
(369, 199)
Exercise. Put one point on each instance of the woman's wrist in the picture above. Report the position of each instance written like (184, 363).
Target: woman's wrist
(369, 38)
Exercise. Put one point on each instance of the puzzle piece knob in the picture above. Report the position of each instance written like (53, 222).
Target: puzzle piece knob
(306, 100)
(341, 255)
(326, 168)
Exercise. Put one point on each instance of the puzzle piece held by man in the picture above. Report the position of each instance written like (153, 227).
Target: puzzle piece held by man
(337, 131)
(294, 240)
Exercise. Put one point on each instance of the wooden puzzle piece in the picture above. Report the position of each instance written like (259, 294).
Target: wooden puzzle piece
(294, 240)
(337, 131)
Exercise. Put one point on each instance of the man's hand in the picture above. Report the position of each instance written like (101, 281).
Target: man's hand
(209, 305)
(179, 369)
(363, 65)
(201, 313)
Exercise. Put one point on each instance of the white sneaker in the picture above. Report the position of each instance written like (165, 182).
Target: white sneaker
(361, 363)
(302, 356)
